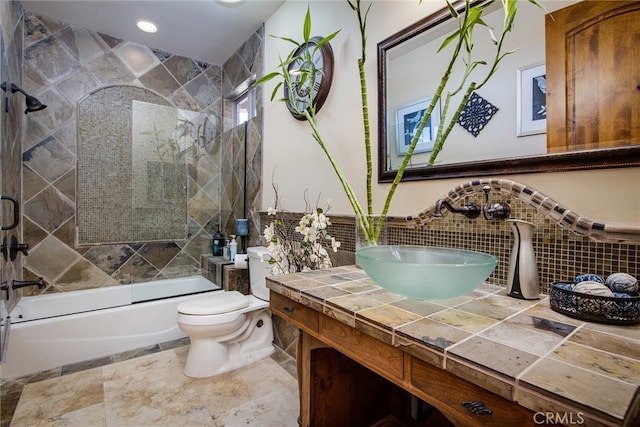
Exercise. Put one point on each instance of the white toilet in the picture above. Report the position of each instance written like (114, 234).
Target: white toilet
(228, 329)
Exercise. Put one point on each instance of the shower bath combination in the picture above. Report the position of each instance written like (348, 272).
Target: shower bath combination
(32, 103)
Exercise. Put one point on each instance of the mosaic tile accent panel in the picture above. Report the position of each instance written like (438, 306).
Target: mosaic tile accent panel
(106, 184)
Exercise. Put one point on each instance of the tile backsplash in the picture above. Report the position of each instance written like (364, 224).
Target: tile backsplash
(565, 243)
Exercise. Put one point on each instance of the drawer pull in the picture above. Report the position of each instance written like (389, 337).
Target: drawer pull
(477, 407)
(288, 309)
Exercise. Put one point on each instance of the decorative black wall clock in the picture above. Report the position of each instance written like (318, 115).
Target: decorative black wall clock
(310, 73)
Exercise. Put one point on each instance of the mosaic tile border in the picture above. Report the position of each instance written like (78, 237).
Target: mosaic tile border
(546, 206)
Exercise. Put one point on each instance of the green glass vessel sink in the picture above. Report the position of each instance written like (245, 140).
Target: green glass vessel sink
(425, 272)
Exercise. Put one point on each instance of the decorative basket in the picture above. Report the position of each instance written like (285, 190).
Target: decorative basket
(594, 308)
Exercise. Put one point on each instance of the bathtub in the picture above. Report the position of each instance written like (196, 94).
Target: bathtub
(48, 331)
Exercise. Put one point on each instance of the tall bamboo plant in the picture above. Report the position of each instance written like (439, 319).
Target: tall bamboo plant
(475, 75)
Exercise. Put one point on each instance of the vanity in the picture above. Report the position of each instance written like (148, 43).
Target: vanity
(369, 357)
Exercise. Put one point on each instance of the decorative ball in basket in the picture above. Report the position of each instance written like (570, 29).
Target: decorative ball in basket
(592, 298)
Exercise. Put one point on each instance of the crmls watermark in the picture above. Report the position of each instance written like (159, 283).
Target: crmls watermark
(564, 418)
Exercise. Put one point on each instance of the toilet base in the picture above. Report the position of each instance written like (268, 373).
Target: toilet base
(208, 357)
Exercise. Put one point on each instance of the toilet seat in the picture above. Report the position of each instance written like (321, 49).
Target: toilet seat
(223, 306)
(223, 302)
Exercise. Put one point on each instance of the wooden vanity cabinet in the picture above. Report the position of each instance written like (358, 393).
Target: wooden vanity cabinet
(348, 378)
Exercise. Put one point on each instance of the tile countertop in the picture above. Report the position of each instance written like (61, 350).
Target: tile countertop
(519, 349)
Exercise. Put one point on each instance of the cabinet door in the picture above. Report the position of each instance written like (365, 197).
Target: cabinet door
(593, 75)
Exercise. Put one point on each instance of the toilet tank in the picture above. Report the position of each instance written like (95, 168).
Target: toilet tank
(259, 269)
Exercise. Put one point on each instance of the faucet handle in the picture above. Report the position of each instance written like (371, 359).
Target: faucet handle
(491, 211)
(17, 247)
(486, 190)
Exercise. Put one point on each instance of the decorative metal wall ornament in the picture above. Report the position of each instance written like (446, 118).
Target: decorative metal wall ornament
(476, 114)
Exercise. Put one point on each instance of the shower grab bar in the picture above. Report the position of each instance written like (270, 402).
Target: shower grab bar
(16, 213)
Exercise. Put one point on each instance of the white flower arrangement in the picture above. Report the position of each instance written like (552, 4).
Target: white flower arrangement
(302, 249)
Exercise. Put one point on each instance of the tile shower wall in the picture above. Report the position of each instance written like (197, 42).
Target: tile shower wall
(62, 64)
(242, 145)
(565, 244)
(240, 197)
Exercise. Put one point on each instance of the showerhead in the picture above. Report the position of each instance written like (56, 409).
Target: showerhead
(32, 103)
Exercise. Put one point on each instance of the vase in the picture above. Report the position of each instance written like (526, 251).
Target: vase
(361, 238)
(522, 279)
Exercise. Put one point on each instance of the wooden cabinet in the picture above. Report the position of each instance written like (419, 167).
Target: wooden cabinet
(370, 352)
(446, 391)
(349, 378)
(593, 75)
(294, 312)
(345, 393)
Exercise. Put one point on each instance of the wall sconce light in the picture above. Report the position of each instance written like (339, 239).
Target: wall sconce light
(31, 102)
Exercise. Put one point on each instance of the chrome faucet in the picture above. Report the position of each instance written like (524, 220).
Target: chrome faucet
(491, 211)
(17, 284)
(470, 210)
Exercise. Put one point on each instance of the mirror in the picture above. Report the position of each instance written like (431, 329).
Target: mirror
(508, 142)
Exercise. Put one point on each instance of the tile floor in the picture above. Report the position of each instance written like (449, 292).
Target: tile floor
(150, 389)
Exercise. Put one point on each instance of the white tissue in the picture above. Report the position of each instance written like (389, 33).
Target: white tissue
(241, 261)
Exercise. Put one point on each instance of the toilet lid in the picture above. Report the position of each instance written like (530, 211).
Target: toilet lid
(218, 303)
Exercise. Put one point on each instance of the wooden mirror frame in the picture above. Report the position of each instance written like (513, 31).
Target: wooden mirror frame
(624, 156)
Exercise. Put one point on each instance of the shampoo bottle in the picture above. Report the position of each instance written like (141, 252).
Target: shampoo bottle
(233, 248)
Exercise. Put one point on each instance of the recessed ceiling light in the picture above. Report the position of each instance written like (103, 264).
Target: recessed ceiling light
(146, 26)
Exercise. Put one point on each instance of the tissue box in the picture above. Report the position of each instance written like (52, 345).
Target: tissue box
(593, 308)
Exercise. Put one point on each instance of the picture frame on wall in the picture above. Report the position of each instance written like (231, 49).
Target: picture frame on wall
(531, 100)
(408, 119)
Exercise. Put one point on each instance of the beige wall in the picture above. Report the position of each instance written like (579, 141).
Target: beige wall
(610, 196)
